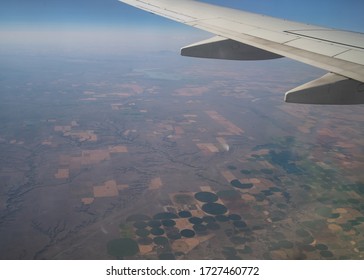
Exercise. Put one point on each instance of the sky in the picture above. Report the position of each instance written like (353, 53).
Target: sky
(346, 14)
(106, 24)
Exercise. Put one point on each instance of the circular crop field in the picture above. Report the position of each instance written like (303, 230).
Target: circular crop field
(214, 208)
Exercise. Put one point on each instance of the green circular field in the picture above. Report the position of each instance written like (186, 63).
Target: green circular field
(206, 197)
(122, 247)
(184, 214)
(237, 184)
(187, 233)
(214, 208)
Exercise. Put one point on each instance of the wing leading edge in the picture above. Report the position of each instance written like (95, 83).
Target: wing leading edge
(247, 36)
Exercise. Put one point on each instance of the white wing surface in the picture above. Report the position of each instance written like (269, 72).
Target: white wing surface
(246, 36)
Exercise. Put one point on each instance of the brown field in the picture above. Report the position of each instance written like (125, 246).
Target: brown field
(155, 184)
(186, 245)
(206, 189)
(207, 148)
(134, 87)
(228, 175)
(178, 130)
(62, 128)
(191, 91)
(229, 126)
(90, 157)
(87, 200)
(62, 173)
(118, 149)
(109, 189)
(82, 135)
(145, 249)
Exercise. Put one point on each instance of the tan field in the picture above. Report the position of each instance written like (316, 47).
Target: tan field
(62, 173)
(155, 184)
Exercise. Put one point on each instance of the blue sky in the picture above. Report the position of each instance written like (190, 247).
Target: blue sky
(345, 14)
(109, 26)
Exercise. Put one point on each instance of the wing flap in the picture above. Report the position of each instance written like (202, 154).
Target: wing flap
(315, 46)
(340, 37)
(354, 56)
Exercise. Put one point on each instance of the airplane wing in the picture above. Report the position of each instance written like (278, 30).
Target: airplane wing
(241, 35)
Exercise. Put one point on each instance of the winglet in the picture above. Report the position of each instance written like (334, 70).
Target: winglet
(330, 89)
